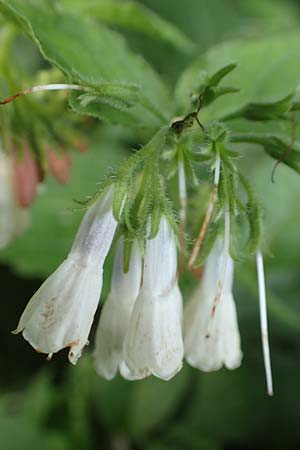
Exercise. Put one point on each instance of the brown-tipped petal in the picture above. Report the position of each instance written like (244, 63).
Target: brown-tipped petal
(59, 165)
(25, 178)
(82, 145)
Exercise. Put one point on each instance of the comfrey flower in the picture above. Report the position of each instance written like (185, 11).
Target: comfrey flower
(61, 312)
(153, 343)
(13, 219)
(116, 313)
(211, 335)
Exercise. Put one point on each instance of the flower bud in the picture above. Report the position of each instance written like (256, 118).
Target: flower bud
(13, 219)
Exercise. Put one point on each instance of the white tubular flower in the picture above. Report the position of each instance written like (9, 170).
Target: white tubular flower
(153, 343)
(211, 334)
(116, 312)
(61, 312)
(13, 220)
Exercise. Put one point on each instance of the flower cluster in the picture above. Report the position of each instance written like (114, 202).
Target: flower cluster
(142, 329)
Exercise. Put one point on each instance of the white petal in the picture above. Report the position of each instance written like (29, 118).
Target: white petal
(116, 313)
(96, 232)
(153, 343)
(61, 312)
(212, 340)
(160, 263)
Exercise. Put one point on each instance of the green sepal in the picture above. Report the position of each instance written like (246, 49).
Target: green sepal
(225, 155)
(198, 156)
(83, 205)
(155, 219)
(184, 155)
(254, 215)
(190, 173)
(217, 132)
(120, 192)
(127, 250)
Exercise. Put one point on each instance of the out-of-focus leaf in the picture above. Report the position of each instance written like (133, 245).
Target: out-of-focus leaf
(133, 16)
(40, 399)
(23, 419)
(154, 401)
(77, 45)
(111, 402)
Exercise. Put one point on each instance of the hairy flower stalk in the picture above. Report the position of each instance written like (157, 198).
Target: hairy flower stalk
(153, 343)
(208, 213)
(46, 87)
(211, 335)
(116, 313)
(61, 312)
(264, 321)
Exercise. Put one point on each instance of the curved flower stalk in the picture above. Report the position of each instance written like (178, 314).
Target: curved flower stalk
(13, 219)
(116, 313)
(211, 334)
(61, 312)
(153, 343)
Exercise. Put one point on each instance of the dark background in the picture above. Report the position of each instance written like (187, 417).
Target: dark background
(58, 407)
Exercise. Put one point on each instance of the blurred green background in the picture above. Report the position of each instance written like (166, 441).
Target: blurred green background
(58, 407)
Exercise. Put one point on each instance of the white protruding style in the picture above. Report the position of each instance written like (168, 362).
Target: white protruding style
(61, 312)
(153, 343)
(264, 320)
(211, 334)
(116, 313)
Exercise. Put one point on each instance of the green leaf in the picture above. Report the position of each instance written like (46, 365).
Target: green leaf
(80, 47)
(268, 69)
(275, 147)
(133, 16)
(218, 76)
(264, 111)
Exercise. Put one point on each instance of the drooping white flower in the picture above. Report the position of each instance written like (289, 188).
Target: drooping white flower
(211, 334)
(153, 343)
(61, 312)
(116, 312)
(13, 219)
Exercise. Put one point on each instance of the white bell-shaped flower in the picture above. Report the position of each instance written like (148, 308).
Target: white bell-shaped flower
(115, 316)
(153, 343)
(61, 312)
(211, 334)
(13, 219)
